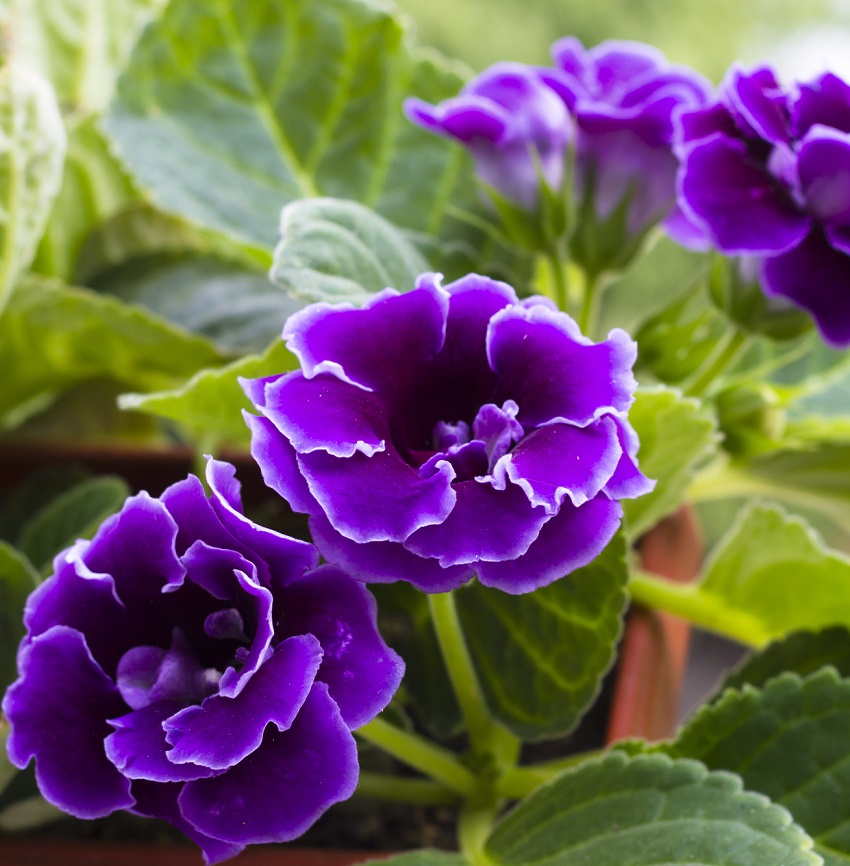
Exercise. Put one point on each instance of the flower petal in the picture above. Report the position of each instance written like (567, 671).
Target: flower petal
(816, 278)
(486, 523)
(823, 164)
(384, 561)
(467, 117)
(628, 482)
(58, 710)
(825, 100)
(553, 372)
(559, 461)
(279, 790)
(138, 746)
(361, 672)
(570, 540)
(761, 104)
(223, 731)
(378, 498)
(741, 204)
(376, 347)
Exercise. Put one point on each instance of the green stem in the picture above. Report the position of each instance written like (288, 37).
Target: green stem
(415, 751)
(518, 782)
(559, 279)
(589, 312)
(482, 730)
(474, 826)
(385, 787)
(727, 352)
(699, 608)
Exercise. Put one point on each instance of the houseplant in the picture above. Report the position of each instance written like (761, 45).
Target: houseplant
(222, 114)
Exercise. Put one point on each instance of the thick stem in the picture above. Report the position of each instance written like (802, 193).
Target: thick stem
(415, 751)
(718, 362)
(474, 826)
(589, 312)
(395, 788)
(558, 267)
(479, 724)
(518, 782)
(697, 607)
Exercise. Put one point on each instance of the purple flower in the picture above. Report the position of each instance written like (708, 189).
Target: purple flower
(189, 665)
(766, 172)
(624, 97)
(513, 125)
(448, 431)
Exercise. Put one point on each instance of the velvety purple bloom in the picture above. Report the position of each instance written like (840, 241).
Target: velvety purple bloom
(451, 431)
(766, 172)
(512, 124)
(190, 665)
(624, 97)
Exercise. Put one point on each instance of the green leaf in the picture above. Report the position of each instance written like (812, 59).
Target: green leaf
(18, 579)
(775, 569)
(406, 624)
(636, 811)
(802, 652)
(211, 402)
(788, 741)
(332, 250)
(53, 336)
(32, 150)
(676, 435)
(541, 657)
(236, 307)
(77, 513)
(278, 101)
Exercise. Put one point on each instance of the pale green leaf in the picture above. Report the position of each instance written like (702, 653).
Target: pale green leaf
(802, 652)
(775, 569)
(278, 100)
(423, 857)
(80, 46)
(332, 250)
(28, 814)
(637, 811)
(32, 150)
(676, 435)
(53, 336)
(18, 579)
(541, 656)
(76, 513)
(211, 403)
(788, 741)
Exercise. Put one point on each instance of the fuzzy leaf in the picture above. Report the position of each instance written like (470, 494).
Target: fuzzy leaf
(637, 811)
(788, 741)
(541, 656)
(332, 250)
(676, 434)
(18, 579)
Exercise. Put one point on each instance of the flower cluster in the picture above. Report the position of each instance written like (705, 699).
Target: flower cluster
(766, 173)
(615, 103)
(450, 431)
(190, 665)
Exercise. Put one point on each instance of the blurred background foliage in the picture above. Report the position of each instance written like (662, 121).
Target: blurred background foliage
(800, 36)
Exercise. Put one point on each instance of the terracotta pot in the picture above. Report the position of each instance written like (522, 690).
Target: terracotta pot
(646, 691)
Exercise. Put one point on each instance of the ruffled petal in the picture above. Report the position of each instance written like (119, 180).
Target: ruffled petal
(384, 561)
(627, 482)
(138, 746)
(155, 800)
(223, 731)
(465, 118)
(485, 524)
(378, 498)
(278, 464)
(570, 540)
(740, 203)
(554, 373)
(823, 165)
(361, 672)
(378, 347)
(561, 462)
(815, 277)
(826, 100)
(760, 103)
(58, 710)
(279, 790)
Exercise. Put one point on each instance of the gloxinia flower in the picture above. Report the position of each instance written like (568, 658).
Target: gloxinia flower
(451, 431)
(624, 97)
(190, 665)
(512, 124)
(766, 172)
